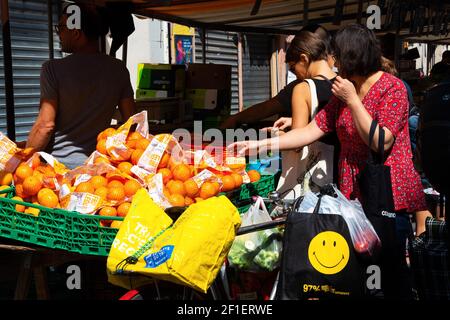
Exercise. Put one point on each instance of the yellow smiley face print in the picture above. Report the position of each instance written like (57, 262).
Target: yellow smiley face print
(328, 252)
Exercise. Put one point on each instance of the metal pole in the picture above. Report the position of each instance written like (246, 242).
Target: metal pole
(7, 60)
(50, 29)
(240, 74)
(204, 45)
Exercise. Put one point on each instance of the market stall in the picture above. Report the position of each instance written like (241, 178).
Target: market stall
(80, 210)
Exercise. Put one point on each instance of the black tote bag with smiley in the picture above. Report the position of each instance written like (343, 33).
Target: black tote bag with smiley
(318, 259)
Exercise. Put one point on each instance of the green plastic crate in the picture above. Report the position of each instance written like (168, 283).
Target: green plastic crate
(56, 228)
(262, 187)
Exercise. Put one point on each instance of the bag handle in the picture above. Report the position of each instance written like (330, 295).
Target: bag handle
(381, 134)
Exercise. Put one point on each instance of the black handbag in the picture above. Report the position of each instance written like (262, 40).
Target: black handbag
(318, 259)
(378, 203)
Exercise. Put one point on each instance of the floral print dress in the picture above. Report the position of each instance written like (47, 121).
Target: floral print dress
(387, 102)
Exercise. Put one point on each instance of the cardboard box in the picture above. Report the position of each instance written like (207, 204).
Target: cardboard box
(208, 87)
(161, 77)
(171, 110)
(205, 99)
(208, 76)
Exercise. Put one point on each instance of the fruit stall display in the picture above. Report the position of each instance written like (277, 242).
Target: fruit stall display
(80, 210)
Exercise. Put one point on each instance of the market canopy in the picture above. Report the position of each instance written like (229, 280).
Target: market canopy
(422, 19)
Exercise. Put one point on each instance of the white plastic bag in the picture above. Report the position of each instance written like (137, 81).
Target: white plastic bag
(364, 238)
(260, 250)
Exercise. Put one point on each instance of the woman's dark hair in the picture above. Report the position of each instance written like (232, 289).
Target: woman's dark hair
(322, 33)
(307, 43)
(93, 20)
(357, 51)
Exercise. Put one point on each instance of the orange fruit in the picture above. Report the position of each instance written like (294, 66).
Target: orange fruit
(188, 201)
(191, 188)
(49, 172)
(254, 175)
(107, 212)
(122, 155)
(3, 195)
(115, 183)
(44, 191)
(123, 209)
(99, 160)
(36, 162)
(228, 183)
(169, 183)
(39, 176)
(166, 192)
(136, 155)
(19, 190)
(33, 211)
(177, 187)
(173, 163)
(177, 200)
(125, 167)
(101, 146)
(198, 199)
(216, 186)
(115, 194)
(131, 187)
(207, 190)
(19, 207)
(142, 144)
(181, 172)
(23, 171)
(98, 181)
(85, 187)
(132, 138)
(6, 178)
(106, 133)
(238, 180)
(31, 185)
(164, 160)
(166, 174)
(48, 198)
(115, 224)
(102, 192)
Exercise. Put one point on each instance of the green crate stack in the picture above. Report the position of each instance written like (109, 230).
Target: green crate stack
(56, 228)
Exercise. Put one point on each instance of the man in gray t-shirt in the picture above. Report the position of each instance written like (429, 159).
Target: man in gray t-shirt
(79, 93)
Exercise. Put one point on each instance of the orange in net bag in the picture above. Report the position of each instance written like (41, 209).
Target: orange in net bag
(50, 170)
(116, 144)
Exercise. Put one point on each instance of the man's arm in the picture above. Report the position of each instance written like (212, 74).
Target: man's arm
(127, 108)
(44, 126)
(254, 114)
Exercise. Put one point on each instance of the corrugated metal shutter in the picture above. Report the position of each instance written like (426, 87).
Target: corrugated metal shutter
(256, 69)
(221, 48)
(29, 40)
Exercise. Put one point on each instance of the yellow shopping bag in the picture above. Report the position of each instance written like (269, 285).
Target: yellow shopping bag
(188, 252)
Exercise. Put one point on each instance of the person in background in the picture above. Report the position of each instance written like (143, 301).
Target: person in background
(363, 93)
(80, 92)
(281, 103)
(441, 70)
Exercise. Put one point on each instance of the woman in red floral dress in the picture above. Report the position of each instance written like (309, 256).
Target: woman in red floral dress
(362, 93)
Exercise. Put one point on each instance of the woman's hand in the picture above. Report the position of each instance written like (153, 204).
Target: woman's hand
(345, 91)
(283, 123)
(242, 148)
